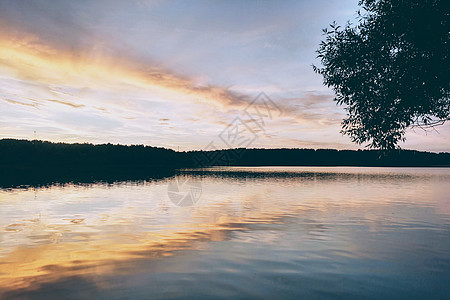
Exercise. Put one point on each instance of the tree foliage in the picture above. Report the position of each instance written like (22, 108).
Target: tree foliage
(390, 70)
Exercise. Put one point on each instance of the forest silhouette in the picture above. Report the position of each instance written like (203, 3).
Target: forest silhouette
(24, 162)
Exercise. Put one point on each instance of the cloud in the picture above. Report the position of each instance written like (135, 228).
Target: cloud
(21, 103)
(29, 59)
(77, 53)
(136, 91)
(66, 103)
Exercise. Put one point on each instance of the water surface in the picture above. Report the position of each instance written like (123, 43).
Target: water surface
(267, 232)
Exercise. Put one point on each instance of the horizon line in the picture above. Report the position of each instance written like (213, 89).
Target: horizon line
(223, 149)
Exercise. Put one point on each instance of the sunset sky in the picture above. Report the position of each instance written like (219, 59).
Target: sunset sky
(171, 73)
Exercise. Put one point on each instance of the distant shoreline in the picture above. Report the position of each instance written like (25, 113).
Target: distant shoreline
(38, 163)
(26, 154)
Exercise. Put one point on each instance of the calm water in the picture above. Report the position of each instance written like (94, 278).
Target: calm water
(269, 233)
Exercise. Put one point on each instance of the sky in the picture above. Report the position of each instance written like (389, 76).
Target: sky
(178, 74)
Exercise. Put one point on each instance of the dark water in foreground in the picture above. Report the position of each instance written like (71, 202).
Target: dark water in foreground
(269, 233)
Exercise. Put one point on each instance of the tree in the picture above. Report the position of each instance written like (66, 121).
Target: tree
(391, 70)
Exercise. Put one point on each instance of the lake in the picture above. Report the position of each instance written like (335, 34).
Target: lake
(242, 232)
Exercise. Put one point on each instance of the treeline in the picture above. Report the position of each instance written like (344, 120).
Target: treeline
(321, 157)
(41, 155)
(39, 163)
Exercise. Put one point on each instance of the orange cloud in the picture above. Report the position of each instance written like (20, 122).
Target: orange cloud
(21, 103)
(65, 103)
(31, 60)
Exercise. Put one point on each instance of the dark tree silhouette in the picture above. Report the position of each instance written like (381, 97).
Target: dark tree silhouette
(35, 163)
(391, 70)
